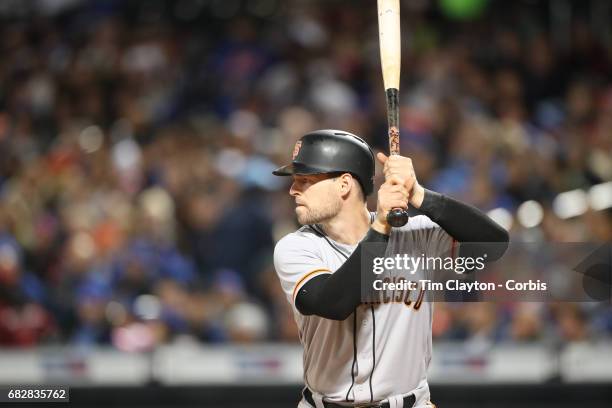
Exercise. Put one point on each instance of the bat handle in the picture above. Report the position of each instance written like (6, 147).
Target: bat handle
(397, 217)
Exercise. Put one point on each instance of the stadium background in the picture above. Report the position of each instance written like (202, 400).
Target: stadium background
(138, 213)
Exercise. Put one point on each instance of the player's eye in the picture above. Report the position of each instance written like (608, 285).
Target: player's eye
(300, 179)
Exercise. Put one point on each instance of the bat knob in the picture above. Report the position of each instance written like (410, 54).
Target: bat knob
(397, 217)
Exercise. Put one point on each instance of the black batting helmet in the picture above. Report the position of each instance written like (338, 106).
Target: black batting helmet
(331, 151)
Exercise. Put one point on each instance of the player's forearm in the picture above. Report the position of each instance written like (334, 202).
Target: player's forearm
(466, 224)
(336, 296)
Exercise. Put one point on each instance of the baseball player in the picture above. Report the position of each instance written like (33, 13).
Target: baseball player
(362, 354)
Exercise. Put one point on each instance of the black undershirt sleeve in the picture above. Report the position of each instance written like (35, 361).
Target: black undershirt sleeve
(335, 296)
(477, 233)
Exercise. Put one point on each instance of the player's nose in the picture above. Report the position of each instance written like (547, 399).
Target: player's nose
(294, 190)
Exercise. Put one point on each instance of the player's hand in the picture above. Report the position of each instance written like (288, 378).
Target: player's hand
(392, 194)
(400, 168)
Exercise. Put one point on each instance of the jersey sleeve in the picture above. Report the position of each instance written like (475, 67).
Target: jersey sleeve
(432, 238)
(297, 260)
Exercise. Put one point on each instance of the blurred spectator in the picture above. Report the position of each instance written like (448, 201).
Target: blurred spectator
(527, 323)
(91, 300)
(24, 320)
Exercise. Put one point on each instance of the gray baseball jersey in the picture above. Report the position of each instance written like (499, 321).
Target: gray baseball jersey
(380, 352)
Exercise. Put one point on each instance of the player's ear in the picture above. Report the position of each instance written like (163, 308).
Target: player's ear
(346, 183)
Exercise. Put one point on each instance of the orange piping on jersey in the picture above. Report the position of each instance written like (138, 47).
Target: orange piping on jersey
(303, 278)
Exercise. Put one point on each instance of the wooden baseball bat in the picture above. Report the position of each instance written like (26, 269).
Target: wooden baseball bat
(390, 59)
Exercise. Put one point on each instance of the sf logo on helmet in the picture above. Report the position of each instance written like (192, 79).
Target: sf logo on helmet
(296, 149)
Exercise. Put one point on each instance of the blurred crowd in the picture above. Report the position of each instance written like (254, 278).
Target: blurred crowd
(137, 140)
